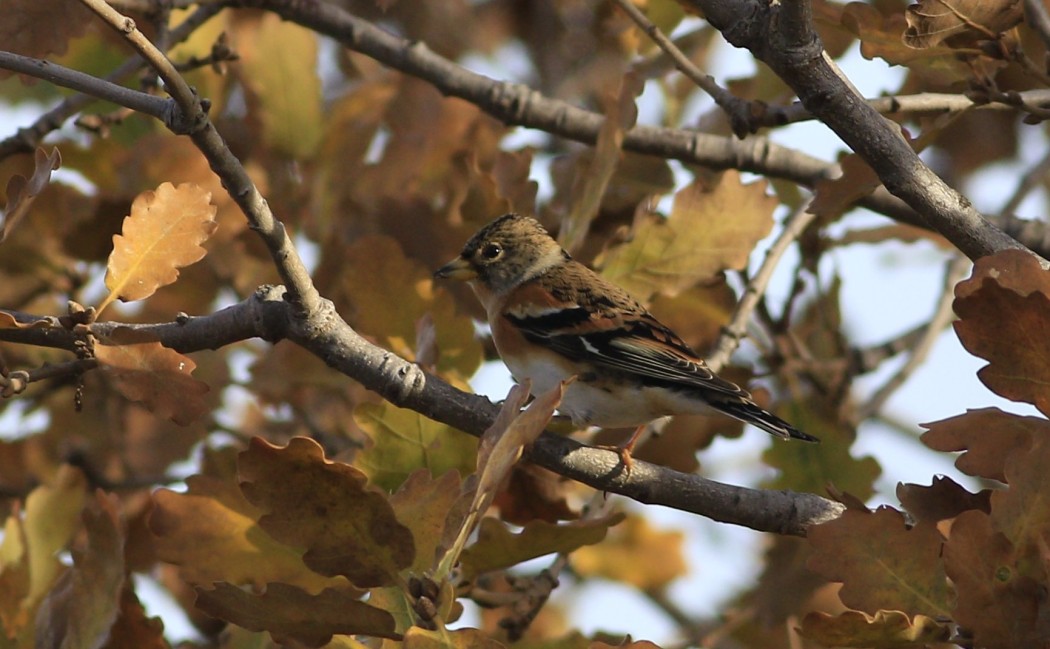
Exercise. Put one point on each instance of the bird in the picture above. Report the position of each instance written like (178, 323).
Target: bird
(553, 318)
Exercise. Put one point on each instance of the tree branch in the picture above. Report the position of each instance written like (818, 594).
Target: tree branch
(326, 335)
(781, 35)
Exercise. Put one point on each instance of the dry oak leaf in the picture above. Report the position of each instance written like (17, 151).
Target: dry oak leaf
(987, 436)
(832, 197)
(883, 630)
(1010, 331)
(931, 22)
(422, 504)
(1001, 607)
(882, 564)
(22, 192)
(210, 533)
(501, 447)
(325, 507)
(158, 377)
(1022, 512)
(85, 602)
(291, 614)
(1018, 270)
(497, 547)
(162, 234)
(944, 499)
(710, 229)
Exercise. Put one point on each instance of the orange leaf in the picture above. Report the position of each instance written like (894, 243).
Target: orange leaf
(325, 507)
(21, 192)
(162, 234)
(881, 563)
(290, 613)
(419, 638)
(158, 377)
(422, 504)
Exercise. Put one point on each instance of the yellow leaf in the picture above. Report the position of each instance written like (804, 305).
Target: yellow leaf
(636, 554)
(52, 516)
(162, 234)
(278, 63)
(210, 533)
(708, 231)
(404, 440)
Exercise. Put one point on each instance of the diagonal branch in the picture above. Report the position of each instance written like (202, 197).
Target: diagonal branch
(782, 36)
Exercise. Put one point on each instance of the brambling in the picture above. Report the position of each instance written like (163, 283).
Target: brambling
(553, 318)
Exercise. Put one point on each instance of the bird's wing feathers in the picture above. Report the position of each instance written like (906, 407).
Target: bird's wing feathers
(607, 328)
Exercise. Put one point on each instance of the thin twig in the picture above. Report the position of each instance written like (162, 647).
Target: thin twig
(735, 331)
(193, 121)
(1037, 17)
(1033, 178)
(738, 110)
(942, 317)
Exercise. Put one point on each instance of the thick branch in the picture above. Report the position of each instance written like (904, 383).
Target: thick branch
(404, 384)
(781, 35)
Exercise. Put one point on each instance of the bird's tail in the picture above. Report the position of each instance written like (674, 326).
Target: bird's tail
(750, 413)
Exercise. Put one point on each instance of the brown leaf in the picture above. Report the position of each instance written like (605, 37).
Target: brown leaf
(1008, 330)
(21, 192)
(292, 614)
(85, 602)
(1018, 270)
(883, 630)
(210, 533)
(988, 436)
(931, 22)
(40, 28)
(325, 507)
(162, 234)
(497, 547)
(157, 376)
(501, 446)
(9, 321)
(1022, 512)
(1000, 606)
(833, 197)
(534, 493)
(709, 230)
(133, 628)
(881, 563)
(590, 186)
(422, 504)
(942, 500)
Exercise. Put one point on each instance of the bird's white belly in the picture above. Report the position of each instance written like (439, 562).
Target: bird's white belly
(594, 404)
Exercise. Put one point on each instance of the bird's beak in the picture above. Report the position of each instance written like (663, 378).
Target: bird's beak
(459, 268)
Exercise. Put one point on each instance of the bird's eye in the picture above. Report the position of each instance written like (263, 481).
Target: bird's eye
(491, 251)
